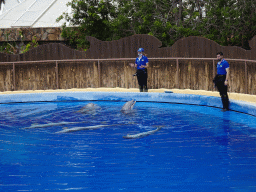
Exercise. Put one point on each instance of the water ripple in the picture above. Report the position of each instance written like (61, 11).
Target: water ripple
(196, 150)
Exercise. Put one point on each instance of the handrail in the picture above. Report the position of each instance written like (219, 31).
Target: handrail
(122, 59)
(100, 62)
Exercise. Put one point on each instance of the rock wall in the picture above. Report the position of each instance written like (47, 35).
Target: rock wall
(42, 34)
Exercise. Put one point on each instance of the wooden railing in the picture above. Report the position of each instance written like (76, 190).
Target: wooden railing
(173, 72)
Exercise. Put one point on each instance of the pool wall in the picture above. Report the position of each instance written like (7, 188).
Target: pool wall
(240, 106)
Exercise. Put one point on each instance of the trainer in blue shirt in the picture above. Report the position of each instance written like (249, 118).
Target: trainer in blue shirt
(222, 67)
(141, 64)
(221, 80)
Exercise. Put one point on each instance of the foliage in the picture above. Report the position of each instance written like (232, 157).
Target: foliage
(30, 45)
(12, 47)
(8, 47)
(89, 18)
(228, 22)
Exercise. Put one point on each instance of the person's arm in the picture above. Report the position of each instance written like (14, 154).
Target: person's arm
(132, 64)
(227, 77)
(145, 66)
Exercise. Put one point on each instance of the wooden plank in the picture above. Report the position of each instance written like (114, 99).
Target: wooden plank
(57, 75)
(177, 74)
(246, 78)
(14, 82)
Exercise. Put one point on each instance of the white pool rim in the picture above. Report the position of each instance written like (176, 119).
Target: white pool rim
(191, 99)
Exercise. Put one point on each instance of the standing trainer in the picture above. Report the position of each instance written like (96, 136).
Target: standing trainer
(141, 64)
(221, 80)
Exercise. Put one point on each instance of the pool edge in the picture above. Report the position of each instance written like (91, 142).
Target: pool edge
(202, 100)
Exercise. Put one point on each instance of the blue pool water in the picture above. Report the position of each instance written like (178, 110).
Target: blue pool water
(198, 149)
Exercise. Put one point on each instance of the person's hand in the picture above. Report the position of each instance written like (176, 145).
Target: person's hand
(131, 64)
(142, 66)
(226, 83)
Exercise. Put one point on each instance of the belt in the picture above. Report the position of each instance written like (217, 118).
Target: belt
(141, 69)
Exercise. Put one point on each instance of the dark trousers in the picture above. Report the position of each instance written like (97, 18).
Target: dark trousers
(142, 77)
(219, 81)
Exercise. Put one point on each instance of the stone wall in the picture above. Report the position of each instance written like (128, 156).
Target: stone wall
(42, 34)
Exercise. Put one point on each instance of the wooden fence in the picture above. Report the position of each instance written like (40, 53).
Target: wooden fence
(190, 47)
(189, 64)
(182, 73)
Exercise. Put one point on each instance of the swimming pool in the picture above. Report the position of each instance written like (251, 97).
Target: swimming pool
(198, 148)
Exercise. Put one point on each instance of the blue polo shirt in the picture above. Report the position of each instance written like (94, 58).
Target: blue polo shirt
(141, 61)
(221, 67)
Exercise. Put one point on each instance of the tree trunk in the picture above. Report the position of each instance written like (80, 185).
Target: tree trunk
(175, 14)
(180, 13)
(198, 3)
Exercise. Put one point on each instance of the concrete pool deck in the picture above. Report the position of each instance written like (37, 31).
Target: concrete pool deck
(238, 102)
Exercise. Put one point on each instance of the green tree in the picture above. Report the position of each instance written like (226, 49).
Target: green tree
(160, 18)
(245, 23)
(88, 18)
(228, 22)
(112, 20)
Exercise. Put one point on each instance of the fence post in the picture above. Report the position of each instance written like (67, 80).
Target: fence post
(177, 73)
(13, 76)
(246, 80)
(57, 75)
(213, 67)
(99, 75)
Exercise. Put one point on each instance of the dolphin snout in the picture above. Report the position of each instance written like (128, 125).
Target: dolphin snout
(128, 105)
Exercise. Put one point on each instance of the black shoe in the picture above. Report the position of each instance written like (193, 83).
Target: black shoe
(141, 90)
(145, 89)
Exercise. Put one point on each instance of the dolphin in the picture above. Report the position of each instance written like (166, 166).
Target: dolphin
(89, 108)
(73, 129)
(140, 135)
(34, 126)
(68, 130)
(128, 106)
